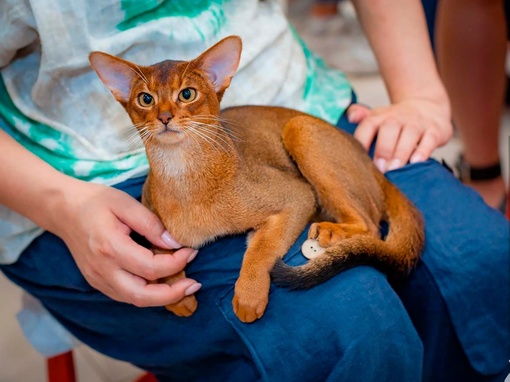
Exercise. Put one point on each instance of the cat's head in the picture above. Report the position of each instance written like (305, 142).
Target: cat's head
(166, 99)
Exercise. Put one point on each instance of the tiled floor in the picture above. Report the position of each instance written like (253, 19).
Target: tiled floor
(19, 362)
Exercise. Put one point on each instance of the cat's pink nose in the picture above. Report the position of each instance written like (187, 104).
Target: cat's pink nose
(165, 117)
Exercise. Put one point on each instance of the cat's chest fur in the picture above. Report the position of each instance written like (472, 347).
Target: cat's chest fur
(196, 211)
(214, 193)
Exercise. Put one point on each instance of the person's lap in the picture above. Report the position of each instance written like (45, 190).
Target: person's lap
(457, 297)
(353, 325)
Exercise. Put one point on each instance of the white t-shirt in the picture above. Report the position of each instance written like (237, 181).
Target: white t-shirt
(53, 103)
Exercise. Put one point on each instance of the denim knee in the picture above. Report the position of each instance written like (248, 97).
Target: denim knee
(353, 327)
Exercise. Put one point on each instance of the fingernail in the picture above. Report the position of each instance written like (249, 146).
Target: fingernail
(394, 164)
(381, 164)
(415, 158)
(192, 255)
(170, 241)
(351, 116)
(192, 289)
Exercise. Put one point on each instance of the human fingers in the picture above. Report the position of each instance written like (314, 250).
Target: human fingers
(119, 268)
(407, 142)
(387, 138)
(357, 112)
(137, 291)
(142, 262)
(427, 144)
(367, 130)
(140, 219)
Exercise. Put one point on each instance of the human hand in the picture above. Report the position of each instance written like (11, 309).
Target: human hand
(409, 130)
(95, 222)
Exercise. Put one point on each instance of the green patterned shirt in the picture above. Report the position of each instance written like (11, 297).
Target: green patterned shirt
(54, 104)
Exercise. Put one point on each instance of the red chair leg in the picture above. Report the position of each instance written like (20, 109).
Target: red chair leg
(60, 368)
(148, 377)
(508, 205)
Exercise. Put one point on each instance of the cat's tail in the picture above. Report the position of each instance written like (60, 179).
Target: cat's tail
(396, 255)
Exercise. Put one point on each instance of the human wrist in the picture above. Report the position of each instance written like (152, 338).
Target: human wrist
(431, 90)
(434, 97)
(59, 199)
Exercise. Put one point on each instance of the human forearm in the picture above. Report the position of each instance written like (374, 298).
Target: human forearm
(95, 222)
(397, 32)
(419, 118)
(30, 186)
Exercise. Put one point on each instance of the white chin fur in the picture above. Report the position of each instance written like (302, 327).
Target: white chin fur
(168, 161)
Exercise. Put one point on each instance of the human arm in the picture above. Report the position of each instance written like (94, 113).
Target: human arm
(95, 222)
(419, 118)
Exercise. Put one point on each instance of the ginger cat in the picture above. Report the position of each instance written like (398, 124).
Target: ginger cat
(267, 170)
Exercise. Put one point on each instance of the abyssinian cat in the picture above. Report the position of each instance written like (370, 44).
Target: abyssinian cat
(267, 170)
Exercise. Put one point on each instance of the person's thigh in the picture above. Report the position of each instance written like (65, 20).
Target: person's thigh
(353, 326)
(445, 359)
(457, 297)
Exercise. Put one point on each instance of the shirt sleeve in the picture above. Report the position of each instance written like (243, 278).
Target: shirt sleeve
(18, 28)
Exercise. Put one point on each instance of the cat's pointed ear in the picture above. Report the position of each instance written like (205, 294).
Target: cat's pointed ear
(220, 62)
(116, 73)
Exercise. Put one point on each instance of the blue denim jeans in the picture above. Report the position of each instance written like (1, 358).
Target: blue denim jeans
(449, 322)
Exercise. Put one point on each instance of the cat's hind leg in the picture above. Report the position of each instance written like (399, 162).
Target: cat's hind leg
(187, 306)
(341, 177)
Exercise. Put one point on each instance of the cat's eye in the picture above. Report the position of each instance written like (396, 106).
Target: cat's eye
(187, 95)
(145, 99)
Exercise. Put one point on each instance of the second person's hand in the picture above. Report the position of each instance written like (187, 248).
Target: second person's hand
(407, 131)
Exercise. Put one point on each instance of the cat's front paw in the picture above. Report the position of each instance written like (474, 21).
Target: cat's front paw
(248, 309)
(250, 300)
(184, 308)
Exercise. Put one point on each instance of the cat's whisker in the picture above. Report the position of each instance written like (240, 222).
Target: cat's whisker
(211, 133)
(217, 118)
(215, 129)
(140, 74)
(232, 134)
(134, 143)
(190, 133)
(146, 134)
(194, 132)
(214, 117)
(197, 129)
(133, 128)
(132, 136)
(141, 136)
(185, 70)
